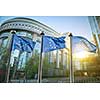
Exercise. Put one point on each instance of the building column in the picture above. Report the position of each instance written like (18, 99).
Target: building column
(67, 61)
(34, 38)
(57, 59)
(63, 59)
(51, 57)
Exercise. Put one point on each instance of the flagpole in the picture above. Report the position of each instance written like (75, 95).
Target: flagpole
(41, 61)
(10, 49)
(71, 62)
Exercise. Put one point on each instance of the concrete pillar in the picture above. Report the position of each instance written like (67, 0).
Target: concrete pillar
(51, 57)
(67, 61)
(34, 36)
(57, 59)
(62, 58)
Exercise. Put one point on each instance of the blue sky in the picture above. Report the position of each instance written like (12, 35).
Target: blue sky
(78, 25)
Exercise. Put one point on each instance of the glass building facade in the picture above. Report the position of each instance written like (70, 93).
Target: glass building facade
(95, 27)
(55, 63)
(28, 28)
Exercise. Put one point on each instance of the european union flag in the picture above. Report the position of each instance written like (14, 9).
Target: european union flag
(53, 43)
(80, 43)
(22, 44)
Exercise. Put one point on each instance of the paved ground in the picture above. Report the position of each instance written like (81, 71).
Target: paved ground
(61, 80)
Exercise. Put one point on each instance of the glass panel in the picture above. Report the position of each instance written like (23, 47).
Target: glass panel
(21, 33)
(4, 54)
(4, 42)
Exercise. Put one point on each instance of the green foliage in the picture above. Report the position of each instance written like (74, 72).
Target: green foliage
(4, 59)
(3, 63)
(46, 65)
(48, 68)
(31, 67)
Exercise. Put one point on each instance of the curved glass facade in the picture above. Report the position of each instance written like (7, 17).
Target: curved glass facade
(24, 62)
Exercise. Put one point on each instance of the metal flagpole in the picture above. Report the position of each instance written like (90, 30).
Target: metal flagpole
(10, 49)
(15, 67)
(71, 64)
(41, 61)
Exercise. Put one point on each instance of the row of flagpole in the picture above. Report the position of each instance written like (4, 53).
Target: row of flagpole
(41, 59)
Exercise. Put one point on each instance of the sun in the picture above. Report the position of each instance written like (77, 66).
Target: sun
(82, 54)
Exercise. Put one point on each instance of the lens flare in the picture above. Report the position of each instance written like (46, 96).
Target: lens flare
(82, 54)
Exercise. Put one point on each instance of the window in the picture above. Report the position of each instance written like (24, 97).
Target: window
(4, 42)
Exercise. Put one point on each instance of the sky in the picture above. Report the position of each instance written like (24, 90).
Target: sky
(77, 25)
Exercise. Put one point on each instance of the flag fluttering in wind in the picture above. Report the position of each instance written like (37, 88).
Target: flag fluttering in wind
(53, 43)
(80, 43)
(22, 44)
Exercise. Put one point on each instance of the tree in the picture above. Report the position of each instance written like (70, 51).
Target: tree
(31, 67)
(4, 63)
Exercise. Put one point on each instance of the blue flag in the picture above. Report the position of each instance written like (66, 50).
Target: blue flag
(22, 44)
(80, 43)
(53, 43)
